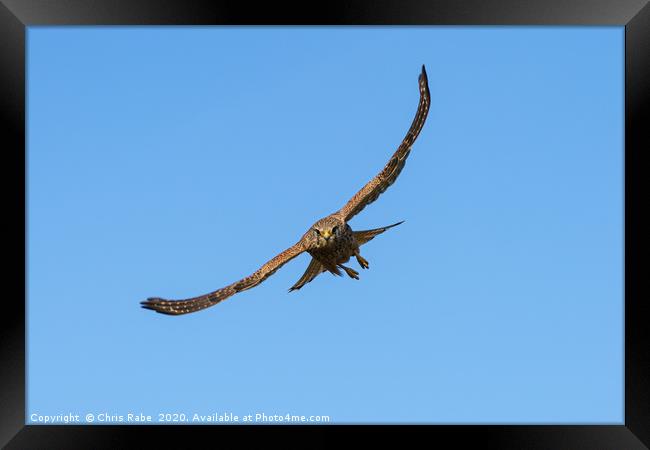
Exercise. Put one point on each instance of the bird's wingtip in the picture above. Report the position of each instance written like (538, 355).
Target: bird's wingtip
(395, 224)
(423, 75)
(151, 304)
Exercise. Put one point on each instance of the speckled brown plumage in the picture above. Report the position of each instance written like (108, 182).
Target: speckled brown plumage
(330, 241)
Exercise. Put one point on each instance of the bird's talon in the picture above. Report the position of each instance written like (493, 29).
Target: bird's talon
(362, 262)
(351, 272)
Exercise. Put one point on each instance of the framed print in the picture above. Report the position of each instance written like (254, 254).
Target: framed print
(469, 169)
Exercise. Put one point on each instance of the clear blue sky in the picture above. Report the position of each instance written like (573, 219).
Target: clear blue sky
(173, 161)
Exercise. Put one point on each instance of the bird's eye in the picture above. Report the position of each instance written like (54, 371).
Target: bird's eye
(316, 232)
(334, 229)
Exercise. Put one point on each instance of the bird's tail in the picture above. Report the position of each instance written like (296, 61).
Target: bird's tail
(366, 235)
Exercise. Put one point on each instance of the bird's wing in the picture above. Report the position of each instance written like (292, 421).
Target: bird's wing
(388, 175)
(367, 235)
(176, 307)
(314, 269)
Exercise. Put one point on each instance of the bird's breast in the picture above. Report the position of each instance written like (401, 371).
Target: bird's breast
(338, 250)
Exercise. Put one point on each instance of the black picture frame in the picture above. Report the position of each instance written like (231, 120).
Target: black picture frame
(634, 15)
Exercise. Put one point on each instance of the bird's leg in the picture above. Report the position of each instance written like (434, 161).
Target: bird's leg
(361, 260)
(351, 272)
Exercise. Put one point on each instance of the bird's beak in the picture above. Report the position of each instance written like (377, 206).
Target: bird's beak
(326, 234)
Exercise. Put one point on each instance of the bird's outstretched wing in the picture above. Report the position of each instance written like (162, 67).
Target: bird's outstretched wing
(314, 269)
(388, 175)
(176, 307)
(368, 235)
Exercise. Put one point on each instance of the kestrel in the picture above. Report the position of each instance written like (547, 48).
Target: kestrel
(330, 241)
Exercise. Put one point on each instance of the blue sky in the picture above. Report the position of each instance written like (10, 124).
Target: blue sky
(171, 161)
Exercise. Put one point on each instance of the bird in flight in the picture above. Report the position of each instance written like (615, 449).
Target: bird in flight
(330, 241)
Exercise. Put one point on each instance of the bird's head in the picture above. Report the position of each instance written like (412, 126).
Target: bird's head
(324, 232)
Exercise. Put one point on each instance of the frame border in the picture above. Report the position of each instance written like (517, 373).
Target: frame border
(634, 15)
